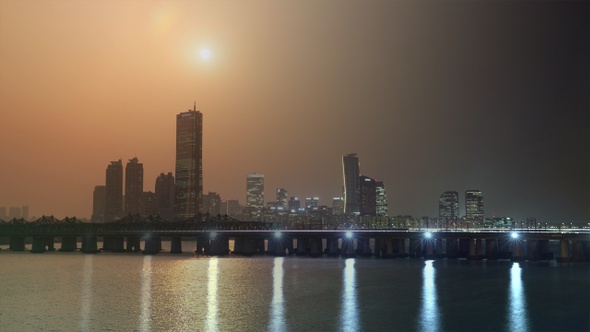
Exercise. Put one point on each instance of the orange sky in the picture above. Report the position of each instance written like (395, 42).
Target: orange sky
(432, 97)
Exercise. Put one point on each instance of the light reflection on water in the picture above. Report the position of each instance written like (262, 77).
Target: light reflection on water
(277, 306)
(146, 294)
(349, 316)
(429, 313)
(211, 322)
(86, 296)
(517, 314)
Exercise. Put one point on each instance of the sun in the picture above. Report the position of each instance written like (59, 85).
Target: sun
(205, 53)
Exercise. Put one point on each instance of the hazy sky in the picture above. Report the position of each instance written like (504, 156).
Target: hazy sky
(433, 96)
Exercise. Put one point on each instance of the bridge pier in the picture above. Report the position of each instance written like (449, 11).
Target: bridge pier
(518, 253)
(379, 250)
(429, 251)
(332, 244)
(363, 247)
(415, 248)
(218, 246)
(464, 247)
(544, 251)
(38, 245)
(133, 244)
(564, 256)
(452, 249)
(402, 252)
(533, 249)
(90, 244)
(348, 248)
(117, 244)
(316, 247)
(303, 245)
(390, 247)
(68, 243)
(239, 245)
(248, 247)
(277, 247)
(491, 249)
(438, 249)
(152, 246)
(202, 245)
(580, 251)
(176, 245)
(17, 243)
(504, 249)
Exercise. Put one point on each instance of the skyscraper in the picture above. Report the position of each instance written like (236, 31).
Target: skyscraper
(368, 197)
(448, 206)
(133, 186)
(282, 200)
(382, 204)
(165, 195)
(351, 172)
(189, 164)
(212, 204)
(294, 204)
(114, 191)
(337, 205)
(255, 195)
(98, 203)
(474, 205)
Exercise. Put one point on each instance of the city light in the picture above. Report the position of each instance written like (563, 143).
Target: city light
(514, 235)
(428, 235)
(348, 235)
(278, 234)
(213, 235)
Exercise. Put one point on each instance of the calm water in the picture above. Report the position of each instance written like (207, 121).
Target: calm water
(133, 292)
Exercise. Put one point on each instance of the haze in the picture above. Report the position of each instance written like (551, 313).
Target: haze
(432, 96)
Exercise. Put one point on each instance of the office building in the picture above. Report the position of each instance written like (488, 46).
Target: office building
(282, 200)
(474, 205)
(351, 173)
(255, 195)
(114, 191)
(448, 206)
(98, 204)
(149, 206)
(338, 205)
(382, 204)
(294, 204)
(368, 197)
(212, 204)
(133, 186)
(311, 203)
(165, 195)
(189, 164)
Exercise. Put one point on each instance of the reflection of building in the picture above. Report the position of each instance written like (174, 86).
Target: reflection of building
(133, 186)
(351, 172)
(212, 204)
(382, 204)
(448, 206)
(338, 205)
(189, 164)
(255, 195)
(114, 191)
(165, 195)
(474, 205)
(368, 206)
(282, 198)
(98, 203)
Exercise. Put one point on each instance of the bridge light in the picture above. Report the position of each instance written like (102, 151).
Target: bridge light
(514, 235)
(348, 235)
(428, 235)
(278, 235)
(212, 235)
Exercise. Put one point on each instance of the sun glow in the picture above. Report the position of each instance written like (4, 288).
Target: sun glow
(205, 54)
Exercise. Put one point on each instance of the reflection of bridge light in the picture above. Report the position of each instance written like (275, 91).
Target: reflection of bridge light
(212, 235)
(278, 234)
(211, 323)
(348, 235)
(428, 235)
(146, 294)
(514, 235)
(429, 312)
(277, 306)
(86, 296)
(517, 315)
(349, 316)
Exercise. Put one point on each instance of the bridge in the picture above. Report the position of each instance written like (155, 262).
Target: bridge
(212, 236)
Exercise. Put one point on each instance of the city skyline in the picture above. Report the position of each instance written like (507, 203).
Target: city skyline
(428, 105)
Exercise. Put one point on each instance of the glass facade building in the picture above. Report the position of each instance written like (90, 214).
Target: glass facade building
(448, 206)
(351, 173)
(474, 205)
(255, 195)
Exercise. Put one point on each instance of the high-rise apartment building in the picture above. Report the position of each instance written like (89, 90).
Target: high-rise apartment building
(165, 195)
(368, 197)
(338, 205)
(311, 203)
(99, 203)
(114, 191)
(294, 204)
(474, 205)
(148, 204)
(382, 204)
(133, 186)
(282, 200)
(351, 172)
(189, 164)
(255, 195)
(212, 204)
(25, 212)
(448, 206)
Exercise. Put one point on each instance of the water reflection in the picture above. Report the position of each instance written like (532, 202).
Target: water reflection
(349, 316)
(86, 296)
(429, 315)
(211, 323)
(277, 307)
(517, 315)
(146, 294)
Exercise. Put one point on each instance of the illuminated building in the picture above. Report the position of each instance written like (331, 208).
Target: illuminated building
(282, 198)
(368, 197)
(212, 204)
(165, 195)
(294, 204)
(382, 205)
(133, 186)
(474, 205)
(148, 204)
(311, 203)
(338, 205)
(114, 191)
(351, 172)
(448, 206)
(255, 195)
(188, 200)
(98, 203)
